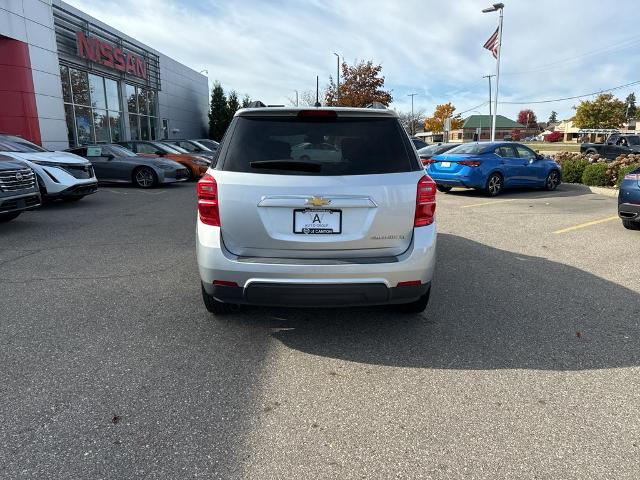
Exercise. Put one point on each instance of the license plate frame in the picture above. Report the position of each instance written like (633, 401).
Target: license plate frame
(305, 230)
(445, 164)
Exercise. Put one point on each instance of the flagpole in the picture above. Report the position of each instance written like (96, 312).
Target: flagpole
(495, 105)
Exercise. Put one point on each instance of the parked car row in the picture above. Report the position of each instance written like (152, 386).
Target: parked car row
(31, 175)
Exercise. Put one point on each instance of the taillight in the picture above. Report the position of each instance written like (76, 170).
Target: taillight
(426, 161)
(425, 202)
(470, 163)
(208, 201)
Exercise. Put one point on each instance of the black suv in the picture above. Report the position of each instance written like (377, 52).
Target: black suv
(18, 188)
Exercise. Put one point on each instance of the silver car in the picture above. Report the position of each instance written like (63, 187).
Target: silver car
(355, 229)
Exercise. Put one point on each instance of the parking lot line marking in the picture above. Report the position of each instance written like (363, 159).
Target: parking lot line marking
(488, 203)
(585, 225)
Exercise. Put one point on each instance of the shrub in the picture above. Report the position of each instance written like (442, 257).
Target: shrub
(553, 137)
(595, 175)
(515, 135)
(624, 170)
(573, 169)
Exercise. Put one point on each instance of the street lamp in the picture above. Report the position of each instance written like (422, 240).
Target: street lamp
(337, 79)
(495, 8)
(412, 119)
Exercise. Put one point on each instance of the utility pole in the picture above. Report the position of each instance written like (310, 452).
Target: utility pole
(296, 97)
(412, 119)
(489, 78)
(337, 80)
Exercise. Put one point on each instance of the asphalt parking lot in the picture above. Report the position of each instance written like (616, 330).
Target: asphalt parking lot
(525, 365)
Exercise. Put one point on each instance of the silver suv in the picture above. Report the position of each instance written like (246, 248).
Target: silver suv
(317, 207)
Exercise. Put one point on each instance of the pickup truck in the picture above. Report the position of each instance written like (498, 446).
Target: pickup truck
(615, 145)
(18, 188)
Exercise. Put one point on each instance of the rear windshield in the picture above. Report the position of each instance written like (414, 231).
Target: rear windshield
(318, 146)
(470, 148)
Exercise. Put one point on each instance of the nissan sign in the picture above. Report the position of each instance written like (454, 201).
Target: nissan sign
(107, 54)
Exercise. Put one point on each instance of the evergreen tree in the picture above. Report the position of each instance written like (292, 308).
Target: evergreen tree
(553, 118)
(218, 113)
(233, 105)
(632, 110)
(246, 100)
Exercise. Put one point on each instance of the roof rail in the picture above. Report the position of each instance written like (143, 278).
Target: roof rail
(378, 105)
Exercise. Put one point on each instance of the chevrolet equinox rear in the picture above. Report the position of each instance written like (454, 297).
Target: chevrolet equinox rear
(322, 207)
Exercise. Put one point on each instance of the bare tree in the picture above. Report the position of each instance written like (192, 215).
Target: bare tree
(418, 119)
(306, 98)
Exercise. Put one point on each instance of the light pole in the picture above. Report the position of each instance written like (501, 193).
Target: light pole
(296, 97)
(496, 7)
(412, 119)
(489, 78)
(337, 79)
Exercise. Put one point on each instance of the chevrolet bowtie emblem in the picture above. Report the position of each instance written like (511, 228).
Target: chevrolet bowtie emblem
(317, 201)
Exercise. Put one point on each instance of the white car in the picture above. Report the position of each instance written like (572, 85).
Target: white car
(354, 228)
(60, 174)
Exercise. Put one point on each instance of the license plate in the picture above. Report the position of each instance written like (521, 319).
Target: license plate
(311, 221)
(446, 164)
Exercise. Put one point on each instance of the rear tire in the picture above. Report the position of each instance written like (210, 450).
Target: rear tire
(494, 185)
(630, 224)
(214, 306)
(418, 306)
(7, 217)
(444, 188)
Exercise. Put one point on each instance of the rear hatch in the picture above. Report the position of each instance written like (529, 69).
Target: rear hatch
(352, 195)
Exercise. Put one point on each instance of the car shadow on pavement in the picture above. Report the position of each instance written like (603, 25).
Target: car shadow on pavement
(564, 190)
(490, 309)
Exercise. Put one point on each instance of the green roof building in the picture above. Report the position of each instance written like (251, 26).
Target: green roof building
(478, 127)
(484, 121)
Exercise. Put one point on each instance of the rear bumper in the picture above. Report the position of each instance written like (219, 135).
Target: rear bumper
(278, 281)
(318, 295)
(629, 211)
(467, 178)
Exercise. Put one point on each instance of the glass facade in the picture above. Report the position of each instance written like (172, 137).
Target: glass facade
(94, 113)
(142, 110)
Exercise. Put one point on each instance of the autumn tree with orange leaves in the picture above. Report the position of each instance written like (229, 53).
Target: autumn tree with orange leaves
(435, 123)
(360, 85)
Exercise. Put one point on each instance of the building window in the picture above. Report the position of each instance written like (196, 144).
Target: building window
(92, 107)
(143, 116)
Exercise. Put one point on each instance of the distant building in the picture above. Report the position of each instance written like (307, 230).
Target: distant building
(479, 127)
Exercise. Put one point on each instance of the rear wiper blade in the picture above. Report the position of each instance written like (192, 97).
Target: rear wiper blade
(287, 165)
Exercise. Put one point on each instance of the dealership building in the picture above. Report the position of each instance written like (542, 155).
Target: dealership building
(67, 79)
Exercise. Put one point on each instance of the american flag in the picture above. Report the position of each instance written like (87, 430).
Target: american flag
(493, 44)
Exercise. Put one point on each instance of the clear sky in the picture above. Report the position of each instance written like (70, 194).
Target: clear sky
(268, 49)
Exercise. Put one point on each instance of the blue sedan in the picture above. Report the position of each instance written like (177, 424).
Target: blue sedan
(629, 200)
(493, 166)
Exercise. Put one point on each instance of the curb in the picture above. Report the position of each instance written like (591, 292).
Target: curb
(606, 191)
